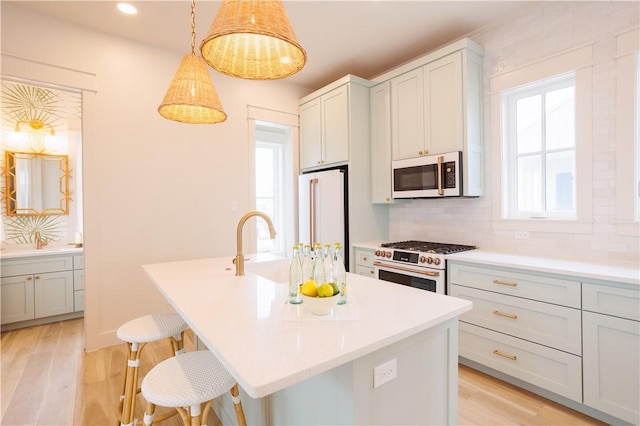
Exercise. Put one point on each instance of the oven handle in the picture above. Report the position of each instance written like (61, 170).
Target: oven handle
(400, 268)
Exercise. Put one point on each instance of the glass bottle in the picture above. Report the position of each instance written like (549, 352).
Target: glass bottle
(329, 269)
(307, 263)
(317, 272)
(295, 278)
(341, 275)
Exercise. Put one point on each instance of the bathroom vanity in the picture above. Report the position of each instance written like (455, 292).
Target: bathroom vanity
(41, 286)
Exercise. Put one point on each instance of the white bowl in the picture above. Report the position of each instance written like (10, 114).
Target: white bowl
(320, 305)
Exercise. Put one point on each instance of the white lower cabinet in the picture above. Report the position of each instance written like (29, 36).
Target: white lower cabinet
(364, 262)
(611, 358)
(547, 368)
(576, 339)
(37, 287)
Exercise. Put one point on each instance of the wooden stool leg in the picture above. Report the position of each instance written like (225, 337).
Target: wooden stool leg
(177, 343)
(130, 384)
(149, 414)
(205, 412)
(237, 405)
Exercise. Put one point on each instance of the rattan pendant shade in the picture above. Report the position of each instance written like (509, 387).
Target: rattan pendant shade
(191, 97)
(253, 39)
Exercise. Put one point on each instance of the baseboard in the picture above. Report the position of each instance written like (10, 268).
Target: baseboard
(41, 321)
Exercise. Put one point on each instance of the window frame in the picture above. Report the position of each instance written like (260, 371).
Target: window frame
(509, 101)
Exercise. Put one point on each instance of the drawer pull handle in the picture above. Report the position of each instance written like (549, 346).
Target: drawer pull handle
(511, 357)
(501, 282)
(372, 272)
(37, 277)
(364, 258)
(29, 278)
(504, 314)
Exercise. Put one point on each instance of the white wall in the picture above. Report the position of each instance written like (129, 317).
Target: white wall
(154, 190)
(546, 29)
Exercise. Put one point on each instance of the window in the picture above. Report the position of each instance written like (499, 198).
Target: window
(269, 186)
(539, 137)
(273, 185)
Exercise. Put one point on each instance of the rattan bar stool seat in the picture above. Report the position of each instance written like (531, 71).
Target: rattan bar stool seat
(136, 333)
(189, 382)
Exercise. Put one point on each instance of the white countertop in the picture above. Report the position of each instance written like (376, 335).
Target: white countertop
(15, 252)
(619, 272)
(242, 321)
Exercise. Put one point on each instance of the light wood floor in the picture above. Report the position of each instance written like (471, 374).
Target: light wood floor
(47, 379)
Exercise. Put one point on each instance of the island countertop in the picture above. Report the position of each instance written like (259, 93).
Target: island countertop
(244, 320)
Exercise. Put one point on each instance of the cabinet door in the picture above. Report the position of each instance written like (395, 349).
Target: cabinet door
(407, 115)
(380, 113)
(53, 293)
(310, 134)
(17, 298)
(611, 358)
(443, 105)
(335, 126)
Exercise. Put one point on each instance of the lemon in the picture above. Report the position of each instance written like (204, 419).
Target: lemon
(336, 290)
(309, 288)
(325, 290)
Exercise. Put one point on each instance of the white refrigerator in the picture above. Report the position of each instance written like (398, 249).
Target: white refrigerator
(322, 208)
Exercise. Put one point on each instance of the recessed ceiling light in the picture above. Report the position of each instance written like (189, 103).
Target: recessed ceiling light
(127, 8)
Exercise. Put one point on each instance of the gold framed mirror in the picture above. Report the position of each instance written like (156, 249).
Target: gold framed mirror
(36, 184)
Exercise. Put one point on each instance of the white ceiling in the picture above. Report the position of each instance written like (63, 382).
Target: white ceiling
(362, 37)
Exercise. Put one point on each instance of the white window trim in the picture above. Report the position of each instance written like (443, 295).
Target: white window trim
(579, 60)
(627, 122)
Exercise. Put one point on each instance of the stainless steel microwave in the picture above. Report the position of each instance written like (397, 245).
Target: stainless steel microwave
(431, 176)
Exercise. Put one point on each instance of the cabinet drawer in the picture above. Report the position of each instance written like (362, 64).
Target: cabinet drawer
(78, 280)
(364, 258)
(547, 368)
(616, 301)
(555, 326)
(367, 272)
(530, 286)
(78, 261)
(24, 266)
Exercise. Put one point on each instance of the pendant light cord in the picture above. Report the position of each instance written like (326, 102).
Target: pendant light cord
(193, 27)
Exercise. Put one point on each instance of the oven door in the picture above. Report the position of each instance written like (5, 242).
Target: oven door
(422, 278)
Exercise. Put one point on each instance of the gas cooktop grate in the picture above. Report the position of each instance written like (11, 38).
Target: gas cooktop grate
(428, 247)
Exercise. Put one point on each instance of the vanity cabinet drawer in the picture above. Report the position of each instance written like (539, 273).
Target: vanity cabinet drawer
(616, 301)
(23, 266)
(530, 286)
(555, 326)
(367, 272)
(547, 368)
(364, 258)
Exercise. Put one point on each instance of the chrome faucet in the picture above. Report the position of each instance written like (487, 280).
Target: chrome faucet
(239, 260)
(39, 241)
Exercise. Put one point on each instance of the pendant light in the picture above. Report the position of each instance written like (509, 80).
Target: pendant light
(191, 97)
(253, 39)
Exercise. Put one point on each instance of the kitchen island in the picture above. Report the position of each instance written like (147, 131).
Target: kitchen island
(297, 368)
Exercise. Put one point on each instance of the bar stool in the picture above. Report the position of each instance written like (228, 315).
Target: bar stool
(189, 383)
(137, 333)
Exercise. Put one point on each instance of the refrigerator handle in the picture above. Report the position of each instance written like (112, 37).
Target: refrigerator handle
(312, 210)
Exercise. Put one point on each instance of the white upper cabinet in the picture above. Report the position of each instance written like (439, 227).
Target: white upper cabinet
(380, 114)
(407, 115)
(426, 109)
(324, 129)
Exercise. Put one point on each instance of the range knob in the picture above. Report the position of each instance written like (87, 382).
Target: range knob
(436, 261)
(429, 260)
(422, 259)
(378, 253)
(387, 254)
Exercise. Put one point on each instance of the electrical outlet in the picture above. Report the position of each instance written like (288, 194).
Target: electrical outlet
(385, 373)
(522, 235)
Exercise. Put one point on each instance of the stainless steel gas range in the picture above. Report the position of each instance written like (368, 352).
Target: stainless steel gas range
(419, 264)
